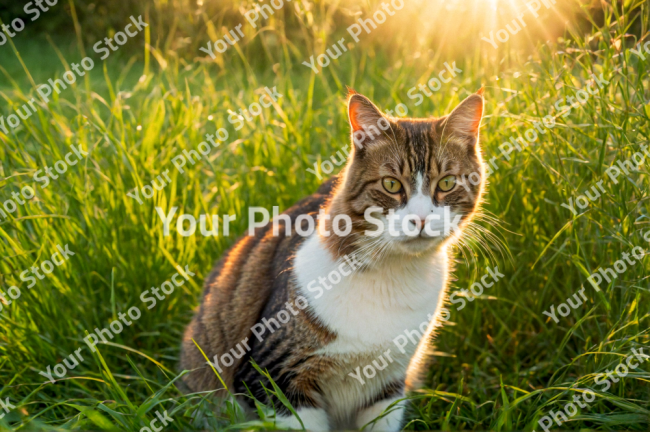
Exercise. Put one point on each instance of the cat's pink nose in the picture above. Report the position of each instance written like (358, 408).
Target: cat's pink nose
(418, 223)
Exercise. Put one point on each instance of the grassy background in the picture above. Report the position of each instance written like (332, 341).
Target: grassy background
(502, 364)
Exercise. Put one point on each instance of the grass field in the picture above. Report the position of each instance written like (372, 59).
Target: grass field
(501, 365)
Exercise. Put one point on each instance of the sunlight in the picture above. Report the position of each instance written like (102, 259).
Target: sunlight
(452, 25)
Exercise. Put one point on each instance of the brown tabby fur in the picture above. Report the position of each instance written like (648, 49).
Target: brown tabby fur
(252, 281)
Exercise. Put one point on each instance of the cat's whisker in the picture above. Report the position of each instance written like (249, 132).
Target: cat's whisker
(497, 241)
(478, 239)
(371, 250)
(363, 248)
(473, 237)
(461, 246)
(382, 249)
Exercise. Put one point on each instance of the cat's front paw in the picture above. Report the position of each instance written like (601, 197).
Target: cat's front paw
(314, 419)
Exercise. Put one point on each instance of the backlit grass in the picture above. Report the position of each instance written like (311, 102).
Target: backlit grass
(501, 363)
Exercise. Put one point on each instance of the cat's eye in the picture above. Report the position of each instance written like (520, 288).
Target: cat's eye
(447, 183)
(392, 185)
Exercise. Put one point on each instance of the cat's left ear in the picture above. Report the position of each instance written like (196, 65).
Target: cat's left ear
(366, 120)
(465, 120)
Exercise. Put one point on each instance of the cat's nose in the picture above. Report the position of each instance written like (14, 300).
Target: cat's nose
(418, 223)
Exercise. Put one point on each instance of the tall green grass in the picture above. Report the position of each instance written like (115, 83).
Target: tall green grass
(501, 363)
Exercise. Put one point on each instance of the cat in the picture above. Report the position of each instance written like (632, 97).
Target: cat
(317, 310)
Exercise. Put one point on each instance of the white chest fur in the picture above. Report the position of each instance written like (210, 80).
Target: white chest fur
(368, 310)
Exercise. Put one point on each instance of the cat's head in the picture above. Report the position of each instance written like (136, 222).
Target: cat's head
(429, 171)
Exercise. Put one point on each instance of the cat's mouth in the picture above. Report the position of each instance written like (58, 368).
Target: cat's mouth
(419, 243)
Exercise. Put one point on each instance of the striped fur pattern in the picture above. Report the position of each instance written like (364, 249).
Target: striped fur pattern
(392, 285)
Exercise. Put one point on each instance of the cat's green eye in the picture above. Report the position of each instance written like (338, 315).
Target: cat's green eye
(392, 185)
(447, 183)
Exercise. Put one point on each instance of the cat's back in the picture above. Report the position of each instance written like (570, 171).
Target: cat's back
(237, 290)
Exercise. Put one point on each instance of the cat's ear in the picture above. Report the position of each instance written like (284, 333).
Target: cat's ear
(465, 120)
(366, 120)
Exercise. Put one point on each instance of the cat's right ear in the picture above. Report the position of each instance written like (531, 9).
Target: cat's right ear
(366, 121)
(464, 122)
